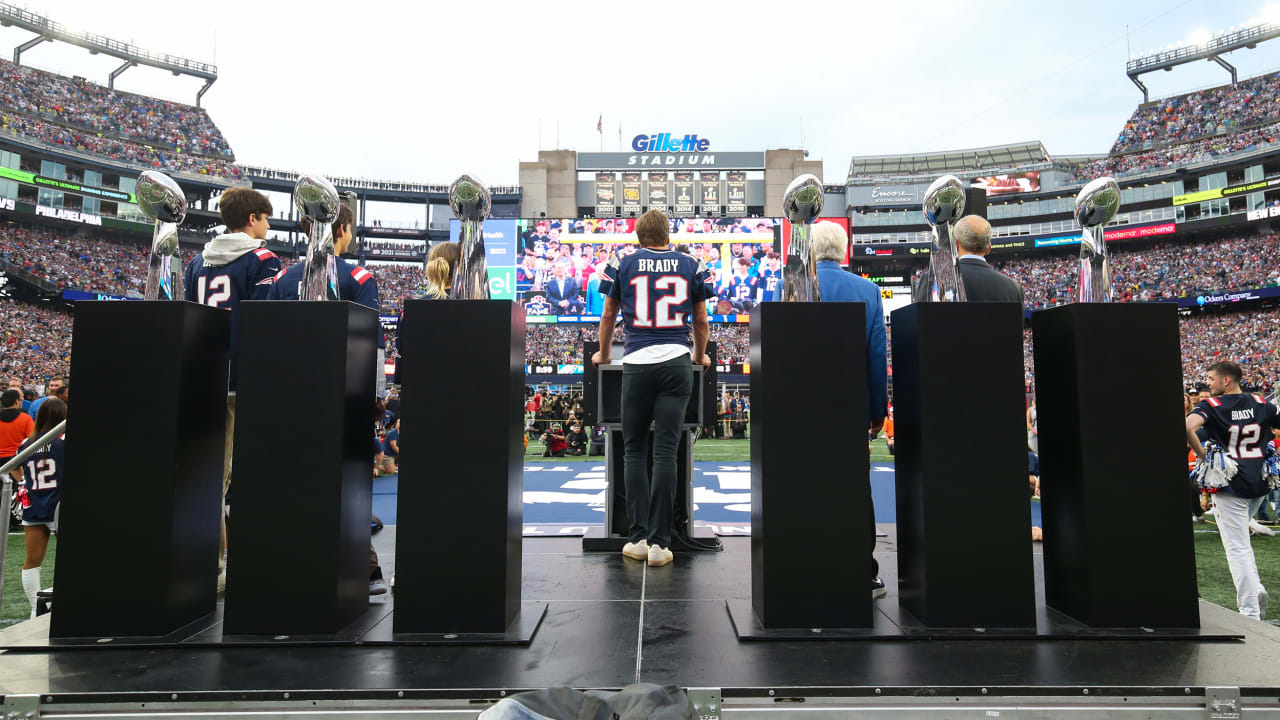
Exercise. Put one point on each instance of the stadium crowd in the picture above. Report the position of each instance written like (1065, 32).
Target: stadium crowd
(123, 150)
(35, 343)
(79, 262)
(1201, 114)
(1165, 271)
(1195, 151)
(82, 104)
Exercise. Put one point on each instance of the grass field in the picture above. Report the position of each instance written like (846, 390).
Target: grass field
(1211, 561)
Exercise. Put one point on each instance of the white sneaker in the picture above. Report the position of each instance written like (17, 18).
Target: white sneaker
(636, 550)
(1256, 528)
(659, 556)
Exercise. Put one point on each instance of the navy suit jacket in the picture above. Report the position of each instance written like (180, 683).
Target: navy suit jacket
(838, 285)
(571, 290)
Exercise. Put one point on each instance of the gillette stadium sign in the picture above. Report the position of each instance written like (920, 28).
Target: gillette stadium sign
(670, 150)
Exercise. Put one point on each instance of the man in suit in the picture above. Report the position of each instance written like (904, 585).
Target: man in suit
(982, 283)
(838, 285)
(563, 290)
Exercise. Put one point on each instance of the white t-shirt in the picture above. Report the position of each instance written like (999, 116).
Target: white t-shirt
(654, 354)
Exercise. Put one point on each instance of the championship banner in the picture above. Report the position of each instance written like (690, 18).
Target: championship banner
(658, 191)
(606, 200)
(630, 193)
(736, 193)
(710, 183)
(683, 206)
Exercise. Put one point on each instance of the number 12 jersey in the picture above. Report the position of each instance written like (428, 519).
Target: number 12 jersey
(1242, 425)
(657, 290)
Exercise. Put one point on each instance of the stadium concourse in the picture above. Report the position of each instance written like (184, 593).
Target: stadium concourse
(1200, 180)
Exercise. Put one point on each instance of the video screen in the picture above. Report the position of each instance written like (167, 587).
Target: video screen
(1009, 184)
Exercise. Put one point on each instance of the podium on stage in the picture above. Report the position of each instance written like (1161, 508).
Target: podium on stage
(1112, 441)
(298, 561)
(810, 492)
(961, 454)
(460, 504)
(602, 405)
(143, 469)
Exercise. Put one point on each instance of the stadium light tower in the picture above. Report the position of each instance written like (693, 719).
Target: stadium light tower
(47, 30)
(1205, 46)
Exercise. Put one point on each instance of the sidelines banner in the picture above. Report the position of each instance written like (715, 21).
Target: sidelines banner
(630, 193)
(658, 191)
(709, 183)
(736, 193)
(683, 206)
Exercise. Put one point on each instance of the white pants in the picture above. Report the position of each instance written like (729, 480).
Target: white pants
(1233, 514)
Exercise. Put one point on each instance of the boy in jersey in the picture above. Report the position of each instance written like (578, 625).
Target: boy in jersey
(43, 473)
(744, 288)
(659, 292)
(1241, 424)
(771, 278)
(234, 266)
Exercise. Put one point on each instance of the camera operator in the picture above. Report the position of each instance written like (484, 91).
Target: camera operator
(577, 440)
(555, 441)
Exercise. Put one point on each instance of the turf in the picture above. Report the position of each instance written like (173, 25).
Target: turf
(15, 605)
(706, 449)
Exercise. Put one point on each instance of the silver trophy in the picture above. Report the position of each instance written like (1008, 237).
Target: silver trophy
(470, 201)
(943, 206)
(801, 203)
(1096, 205)
(318, 201)
(161, 200)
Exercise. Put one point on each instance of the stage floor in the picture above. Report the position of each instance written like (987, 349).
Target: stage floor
(612, 622)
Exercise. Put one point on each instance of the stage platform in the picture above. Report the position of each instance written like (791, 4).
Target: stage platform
(612, 621)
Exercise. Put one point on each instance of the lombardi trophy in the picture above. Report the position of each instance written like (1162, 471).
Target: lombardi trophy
(470, 201)
(1096, 205)
(318, 201)
(161, 200)
(801, 204)
(943, 206)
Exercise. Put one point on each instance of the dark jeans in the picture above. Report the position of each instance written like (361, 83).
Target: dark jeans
(656, 393)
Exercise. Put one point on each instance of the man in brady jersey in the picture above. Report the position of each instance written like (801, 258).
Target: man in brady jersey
(659, 292)
(234, 266)
(771, 278)
(1241, 424)
(40, 493)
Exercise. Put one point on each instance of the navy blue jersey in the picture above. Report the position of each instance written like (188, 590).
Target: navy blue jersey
(42, 477)
(248, 277)
(743, 288)
(354, 283)
(1242, 424)
(657, 290)
(392, 435)
(772, 282)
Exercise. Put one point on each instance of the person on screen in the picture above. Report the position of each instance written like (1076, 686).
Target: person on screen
(771, 278)
(562, 292)
(594, 305)
(744, 288)
(534, 240)
(837, 285)
(749, 254)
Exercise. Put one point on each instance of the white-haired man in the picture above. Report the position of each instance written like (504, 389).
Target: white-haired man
(982, 283)
(837, 285)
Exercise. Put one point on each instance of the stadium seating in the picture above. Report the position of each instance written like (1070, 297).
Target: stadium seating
(82, 116)
(1201, 114)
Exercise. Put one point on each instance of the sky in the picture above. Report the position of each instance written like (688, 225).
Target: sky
(424, 91)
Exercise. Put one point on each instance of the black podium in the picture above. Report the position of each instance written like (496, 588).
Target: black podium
(810, 492)
(602, 405)
(1112, 450)
(961, 454)
(458, 541)
(147, 439)
(302, 486)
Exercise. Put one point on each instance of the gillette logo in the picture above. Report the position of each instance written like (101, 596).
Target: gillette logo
(666, 142)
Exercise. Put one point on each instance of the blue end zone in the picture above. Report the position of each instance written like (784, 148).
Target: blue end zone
(573, 494)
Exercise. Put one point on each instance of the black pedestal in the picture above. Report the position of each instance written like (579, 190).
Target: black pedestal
(961, 444)
(809, 440)
(302, 487)
(461, 472)
(1111, 460)
(143, 470)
